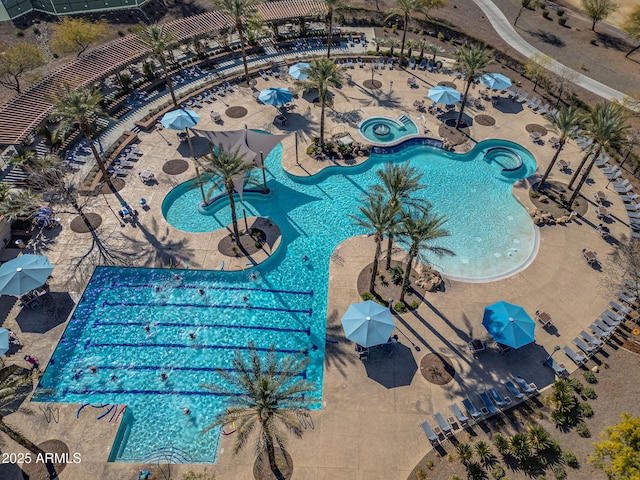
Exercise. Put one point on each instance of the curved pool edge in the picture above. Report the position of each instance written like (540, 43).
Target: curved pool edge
(393, 120)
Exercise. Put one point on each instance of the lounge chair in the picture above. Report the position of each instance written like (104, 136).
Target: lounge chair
(263, 74)
(544, 109)
(617, 317)
(559, 368)
(442, 423)
(584, 346)
(613, 169)
(535, 104)
(390, 63)
(609, 321)
(626, 297)
(526, 387)
(625, 189)
(412, 64)
(227, 86)
(455, 409)
(576, 357)
(350, 63)
(632, 207)
(604, 328)
(381, 63)
(619, 308)
(471, 409)
(488, 404)
(498, 399)
(635, 235)
(620, 183)
(633, 215)
(602, 334)
(423, 64)
(531, 101)
(360, 62)
(614, 175)
(630, 198)
(513, 390)
(593, 339)
(428, 431)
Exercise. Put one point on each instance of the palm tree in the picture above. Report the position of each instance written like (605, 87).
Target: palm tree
(265, 393)
(377, 215)
(11, 382)
(400, 182)
(322, 74)
(420, 227)
(435, 50)
(239, 11)
(606, 125)
(485, 455)
(562, 123)
(472, 61)
(465, 453)
(406, 9)
(159, 42)
(332, 8)
(539, 437)
(80, 106)
(20, 205)
(227, 166)
(392, 43)
(421, 45)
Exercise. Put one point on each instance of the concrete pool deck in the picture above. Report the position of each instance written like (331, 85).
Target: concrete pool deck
(365, 430)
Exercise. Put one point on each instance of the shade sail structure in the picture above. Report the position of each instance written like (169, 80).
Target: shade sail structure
(180, 119)
(4, 341)
(444, 95)
(299, 71)
(495, 81)
(23, 274)
(368, 323)
(509, 324)
(250, 142)
(275, 96)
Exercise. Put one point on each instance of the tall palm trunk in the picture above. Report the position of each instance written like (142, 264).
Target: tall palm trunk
(404, 37)
(389, 248)
(553, 162)
(584, 160)
(29, 445)
(240, 30)
(105, 174)
(374, 269)
(271, 453)
(464, 101)
(330, 37)
(76, 206)
(584, 177)
(168, 81)
(234, 220)
(407, 273)
(322, 105)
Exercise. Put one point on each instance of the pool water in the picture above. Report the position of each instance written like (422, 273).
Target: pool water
(491, 233)
(384, 130)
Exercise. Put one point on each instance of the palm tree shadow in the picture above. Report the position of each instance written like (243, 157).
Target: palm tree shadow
(335, 353)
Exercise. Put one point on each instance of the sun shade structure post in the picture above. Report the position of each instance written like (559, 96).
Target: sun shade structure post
(264, 175)
(204, 198)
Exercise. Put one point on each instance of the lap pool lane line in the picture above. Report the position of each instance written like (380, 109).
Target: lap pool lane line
(503, 27)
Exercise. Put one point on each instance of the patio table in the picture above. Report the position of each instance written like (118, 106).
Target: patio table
(600, 196)
(543, 318)
(589, 255)
(602, 212)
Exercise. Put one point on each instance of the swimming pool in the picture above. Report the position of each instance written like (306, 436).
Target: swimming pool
(384, 130)
(286, 305)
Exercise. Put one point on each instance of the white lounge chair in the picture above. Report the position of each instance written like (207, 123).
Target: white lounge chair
(633, 215)
(609, 321)
(442, 423)
(526, 387)
(535, 104)
(629, 198)
(613, 169)
(513, 390)
(531, 101)
(635, 235)
(605, 328)
(412, 64)
(559, 368)
(618, 317)
(619, 308)
(603, 334)
(593, 339)
(625, 189)
(471, 409)
(601, 162)
(626, 298)
(523, 98)
(632, 207)
(428, 431)
(576, 357)
(458, 413)
(614, 175)
(544, 109)
(584, 346)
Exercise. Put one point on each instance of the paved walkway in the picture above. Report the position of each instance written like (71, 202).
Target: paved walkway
(504, 28)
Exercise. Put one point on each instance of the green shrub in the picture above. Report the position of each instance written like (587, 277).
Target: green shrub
(545, 13)
(559, 471)
(394, 28)
(19, 33)
(441, 36)
(590, 377)
(569, 458)
(384, 29)
(559, 418)
(421, 475)
(400, 307)
(429, 464)
(590, 393)
(367, 296)
(498, 472)
(585, 410)
(36, 31)
(576, 385)
(534, 195)
(560, 12)
(452, 41)
(562, 21)
(583, 430)
(414, 305)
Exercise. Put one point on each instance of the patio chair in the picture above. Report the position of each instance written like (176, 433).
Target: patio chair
(525, 386)
(428, 431)
(498, 399)
(423, 64)
(619, 308)
(523, 98)
(390, 63)
(630, 198)
(227, 86)
(616, 317)
(626, 297)
(576, 357)
(633, 216)
(559, 368)
(488, 404)
(381, 63)
(442, 423)
(477, 346)
(263, 74)
(531, 101)
(544, 109)
(604, 231)
(603, 329)
(412, 64)
(585, 347)
(471, 408)
(593, 339)
(455, 409)
(535, 104)
(513, 390)
(360, 62)
(625, 189)
(350, 63)
(632, 207)
(614, 175)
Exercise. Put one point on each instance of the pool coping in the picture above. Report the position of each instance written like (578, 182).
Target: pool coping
(395, 121)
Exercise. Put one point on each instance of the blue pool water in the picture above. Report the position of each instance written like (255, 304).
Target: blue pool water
(383, 130)
(492, 235)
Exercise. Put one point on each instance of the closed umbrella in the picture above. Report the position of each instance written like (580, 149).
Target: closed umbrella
(368, 323)
(509, 324)
(23, 274)
(495, 81)
(299, 71)
(4, 341)
(180, 119)
(444, 95)
(275, 96)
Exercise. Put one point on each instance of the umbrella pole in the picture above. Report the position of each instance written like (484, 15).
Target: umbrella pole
(189, 142)
(264, 176)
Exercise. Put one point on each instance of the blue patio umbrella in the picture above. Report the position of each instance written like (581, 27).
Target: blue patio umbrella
(368, 323)
(509, 324)
(180, 119)
(299, 71)
(23, 274)
(444, 95)
(4, 341)
(275, 96)
(495, 81)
